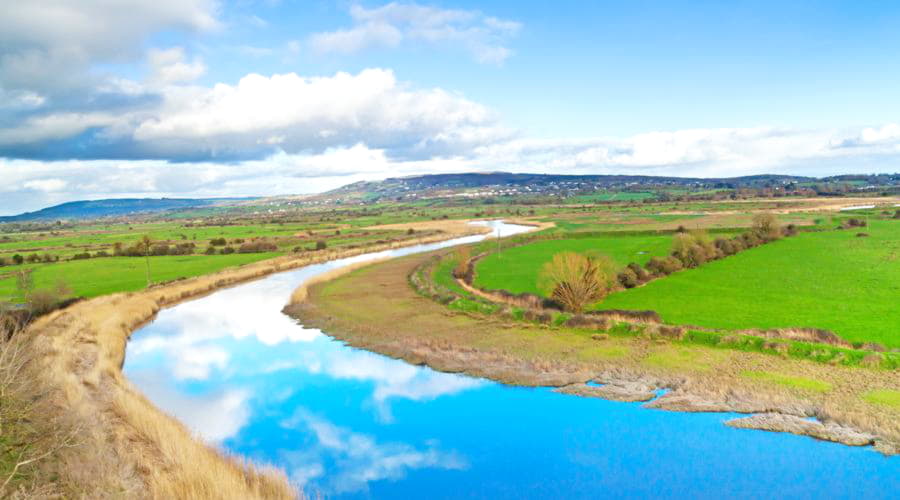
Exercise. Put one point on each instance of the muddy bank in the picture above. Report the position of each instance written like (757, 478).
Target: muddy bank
(136, 449)
(397, 322)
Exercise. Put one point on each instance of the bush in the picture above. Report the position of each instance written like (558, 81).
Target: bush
(640, 272)
(18, 259)
(32, 258)
(218, 242)
(750, 239)
(227, 250)
(766, 227)
(461, 270)
(575, 280)
(321, 245)
(693, 249)
(257, 246)
(210, 250)
(45, 300)
(664, 266)
(81, 256)
(410, 231)
(790, 230)
(160, 249)
(628, 278)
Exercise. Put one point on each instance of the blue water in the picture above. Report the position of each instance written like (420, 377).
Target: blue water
(349, 423)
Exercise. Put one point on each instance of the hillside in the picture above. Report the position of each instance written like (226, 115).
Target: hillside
(89, 209)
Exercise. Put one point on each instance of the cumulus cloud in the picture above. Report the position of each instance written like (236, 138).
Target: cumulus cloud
(358, 459)
(393, 24)
(170, 66)
(697, 152)
(299, 113)
(257, 117)
(49, 44)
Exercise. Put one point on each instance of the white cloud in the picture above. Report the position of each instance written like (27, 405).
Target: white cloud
(46, 185)
(169, 66)
(697, 152)
(48, 44)
(300, 113)
(396, 23)
(358, 459)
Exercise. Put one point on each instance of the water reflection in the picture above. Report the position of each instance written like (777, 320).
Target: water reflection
(351, 423)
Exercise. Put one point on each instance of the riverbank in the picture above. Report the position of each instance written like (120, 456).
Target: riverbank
(374, 308)
(124, 445)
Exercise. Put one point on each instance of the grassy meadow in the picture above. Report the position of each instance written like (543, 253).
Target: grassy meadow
(94, 277)
(516, 269)
(831, 279)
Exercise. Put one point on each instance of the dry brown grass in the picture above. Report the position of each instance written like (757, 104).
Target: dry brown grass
(129, 448)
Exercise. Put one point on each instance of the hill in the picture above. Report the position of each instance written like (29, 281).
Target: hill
(89, 209)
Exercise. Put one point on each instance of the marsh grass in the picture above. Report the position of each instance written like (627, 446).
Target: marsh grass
(884, 397)
(791, 381)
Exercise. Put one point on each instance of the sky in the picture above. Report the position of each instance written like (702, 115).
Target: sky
(204, 98)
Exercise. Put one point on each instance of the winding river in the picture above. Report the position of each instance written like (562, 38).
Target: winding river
(344, 422)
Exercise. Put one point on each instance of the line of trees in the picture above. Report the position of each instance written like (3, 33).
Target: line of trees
(694, 248)
(576, 280)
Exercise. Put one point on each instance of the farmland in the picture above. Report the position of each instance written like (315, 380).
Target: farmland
(831, 279)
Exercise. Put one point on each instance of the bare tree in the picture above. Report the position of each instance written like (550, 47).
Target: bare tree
(575, 280)
(145, 245)
(766, 226)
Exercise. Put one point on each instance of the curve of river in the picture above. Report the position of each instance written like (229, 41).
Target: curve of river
(350, 423)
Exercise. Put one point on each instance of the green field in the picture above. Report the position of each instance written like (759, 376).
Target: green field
(517, 269)
(90, 278)
(832, 280)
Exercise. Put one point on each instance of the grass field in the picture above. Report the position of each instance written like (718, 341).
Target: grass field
(832, 280)
(90, 278)
(517, 269)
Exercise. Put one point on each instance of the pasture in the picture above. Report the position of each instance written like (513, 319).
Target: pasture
(830, 279)
(517, 269)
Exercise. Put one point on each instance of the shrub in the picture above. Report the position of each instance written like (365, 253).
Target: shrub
(750, 239)
(32, 258)
(693, 249)
(210, 250)
(790, 230)
(46, 300)
(257, 246)
(226, 250)
(628, 278)
(218, 242)
(160, 249)
(461, 270)
(81, 256)
(18, 259)
(766, 227)
(640, 272)
(575, 280)
(3, 261)
(664, 266)
(321, 245)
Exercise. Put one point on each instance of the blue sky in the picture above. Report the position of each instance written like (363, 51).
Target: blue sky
(208, 98)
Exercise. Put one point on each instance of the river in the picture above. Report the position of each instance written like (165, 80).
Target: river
(348, 423)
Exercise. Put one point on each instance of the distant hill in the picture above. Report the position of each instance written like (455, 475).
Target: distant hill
(90, 209)
(504, 183)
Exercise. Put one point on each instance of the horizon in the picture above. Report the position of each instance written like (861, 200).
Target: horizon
(412, 176)
(210, 99)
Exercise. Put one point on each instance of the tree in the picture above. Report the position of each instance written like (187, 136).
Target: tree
(24, 283)
(766, 226)
(575, 280)
(145, 245)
